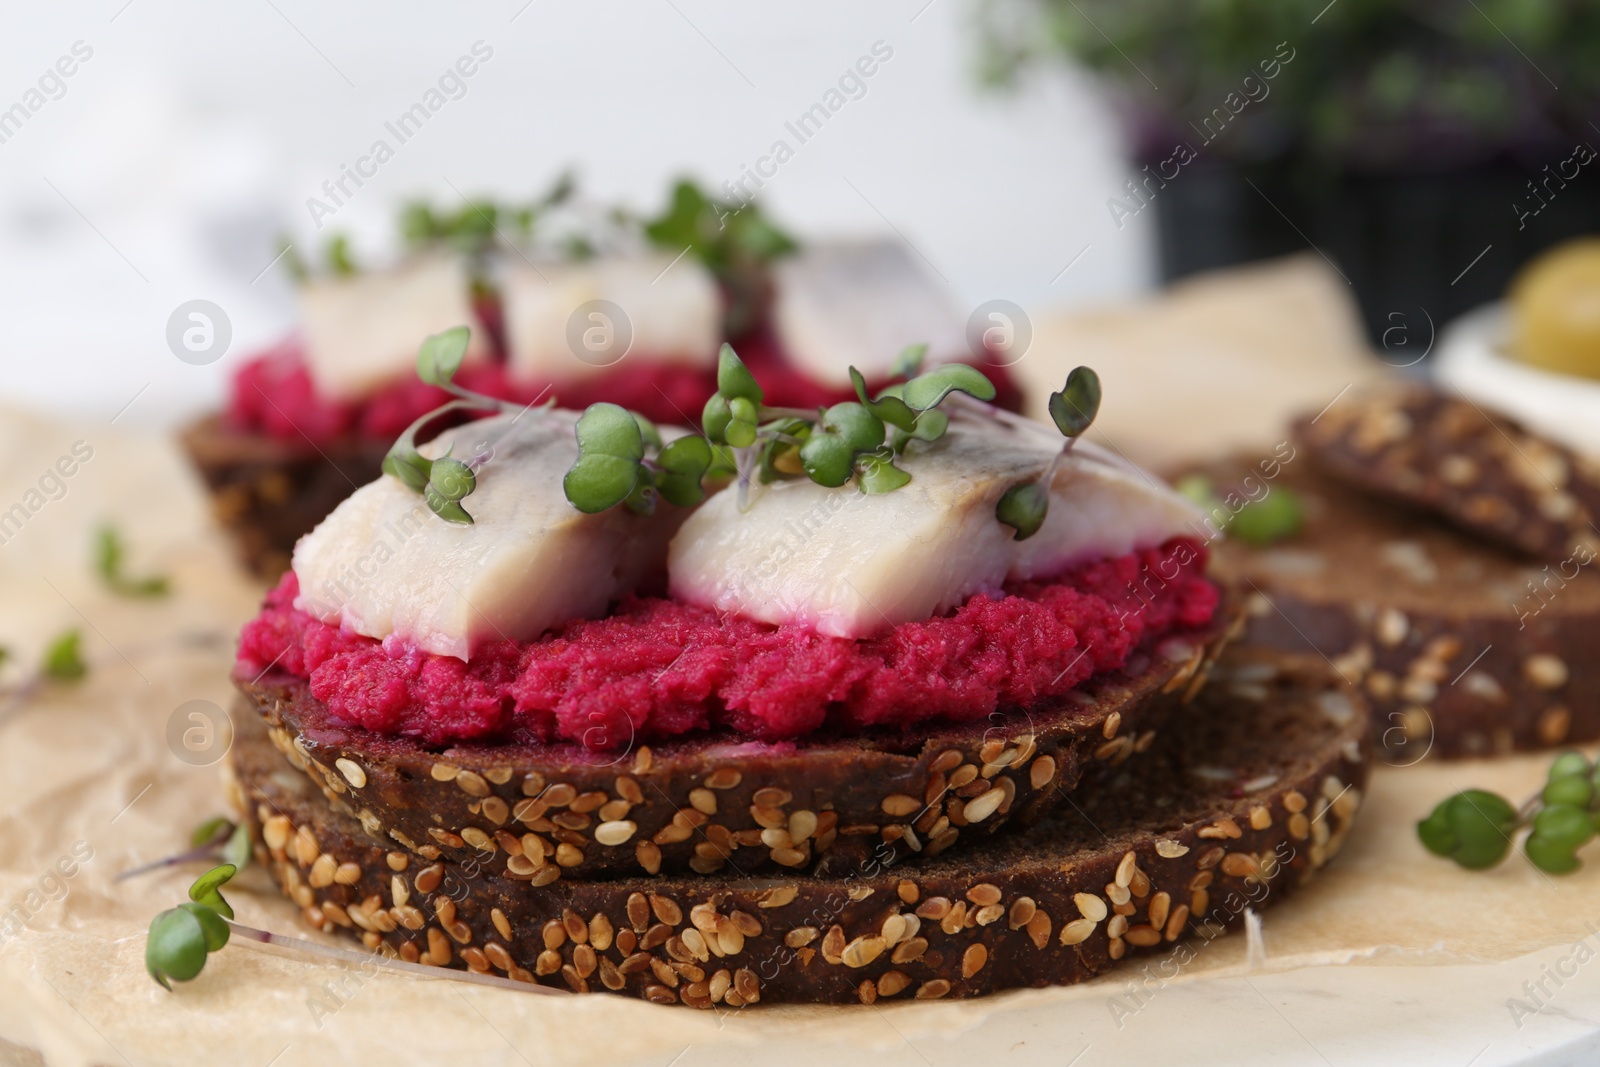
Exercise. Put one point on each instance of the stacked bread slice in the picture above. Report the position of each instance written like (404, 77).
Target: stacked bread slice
(1445, 563)
(1151, 807)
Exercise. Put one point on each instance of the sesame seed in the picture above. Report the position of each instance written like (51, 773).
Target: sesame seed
(862, 951)
(444, 772)
(1545, 671)
(898, 804)
(1170, 850)
(1077, 931)
(615, 833)
(352, 772)
(983, 805)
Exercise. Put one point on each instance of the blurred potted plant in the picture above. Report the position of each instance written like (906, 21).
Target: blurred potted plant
(1402, 138)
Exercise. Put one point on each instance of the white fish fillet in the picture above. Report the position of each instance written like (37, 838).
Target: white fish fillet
(842, 304)
(383, 565)
(672, 314)
(363, 332)
(849, 564)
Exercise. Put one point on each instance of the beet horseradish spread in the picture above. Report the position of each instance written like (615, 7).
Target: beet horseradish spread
(910, 558)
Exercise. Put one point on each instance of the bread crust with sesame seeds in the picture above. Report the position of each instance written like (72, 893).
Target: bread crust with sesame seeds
(1236, 806)
(1463, 649)
(547, 812)
(1484, 472)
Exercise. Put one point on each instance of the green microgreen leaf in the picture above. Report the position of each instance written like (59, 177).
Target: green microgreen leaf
(213, 831)
(1023, 508)
(1074, 408)
(648, 432)
(931, 425)
(175, 949)
(878, 474)
(408, 465)
(212, 925)
(451, 478)
(888, 406)
(683, 465)
(1275, 517)
(108, 560)
(340, 261)
(447, 509)
(610, 455)
(734, 379)
(207, 889)
(715, 417)
(63, 659)
(441, 355)
(853, 422)
(827, 459)
(909, 362)
(642, 500)
(1473, 827)
(929, 390)
(239, 849)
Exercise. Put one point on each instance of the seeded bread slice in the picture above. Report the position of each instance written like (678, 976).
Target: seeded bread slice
(1465, 650)
(545, 812)
(267, 492)
(1237, 805)
(1484, 472)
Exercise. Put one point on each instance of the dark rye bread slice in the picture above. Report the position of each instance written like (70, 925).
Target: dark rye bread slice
(1235, 807)
(267, 492)
(543, 812)
(1482, 471)
(1464, 650)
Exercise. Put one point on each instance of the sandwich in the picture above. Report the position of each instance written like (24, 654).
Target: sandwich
(564, 302)
(903, 696)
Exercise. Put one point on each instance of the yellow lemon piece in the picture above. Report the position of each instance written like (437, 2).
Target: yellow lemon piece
(1555, 306)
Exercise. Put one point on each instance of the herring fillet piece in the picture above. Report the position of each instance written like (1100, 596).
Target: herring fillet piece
(383, 565)
(673, 314)
(362, 332)
(850, 565)
(843, 304)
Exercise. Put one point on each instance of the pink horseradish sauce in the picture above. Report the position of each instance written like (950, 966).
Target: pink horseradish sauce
(657, 669)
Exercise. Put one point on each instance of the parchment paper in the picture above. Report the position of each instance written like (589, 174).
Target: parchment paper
(1430, 957)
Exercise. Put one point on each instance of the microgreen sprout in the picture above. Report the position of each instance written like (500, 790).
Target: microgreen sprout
(446, 481)
(1073, 408)
(857, 439)
(1477, 828)
(63, 659)
(474, 226)
(733, 241)
(108, 560)
(181, 938)
(1275, 517)
(217, 839)
(622, 459)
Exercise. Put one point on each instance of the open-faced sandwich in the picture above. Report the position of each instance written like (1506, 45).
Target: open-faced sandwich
(564, 304)
(785, 710)
(1438, 553)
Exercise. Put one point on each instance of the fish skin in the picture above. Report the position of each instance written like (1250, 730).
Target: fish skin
(385, 566)
(851, 565)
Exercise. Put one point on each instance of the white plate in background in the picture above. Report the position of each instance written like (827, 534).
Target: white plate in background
(1474, 357)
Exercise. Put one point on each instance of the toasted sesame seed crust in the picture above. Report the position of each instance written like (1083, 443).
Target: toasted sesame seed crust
(540, 813)
(1157, 849)
(1462, 649)
(1483, 471)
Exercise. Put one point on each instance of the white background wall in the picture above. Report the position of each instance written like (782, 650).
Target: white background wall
(196, 131)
